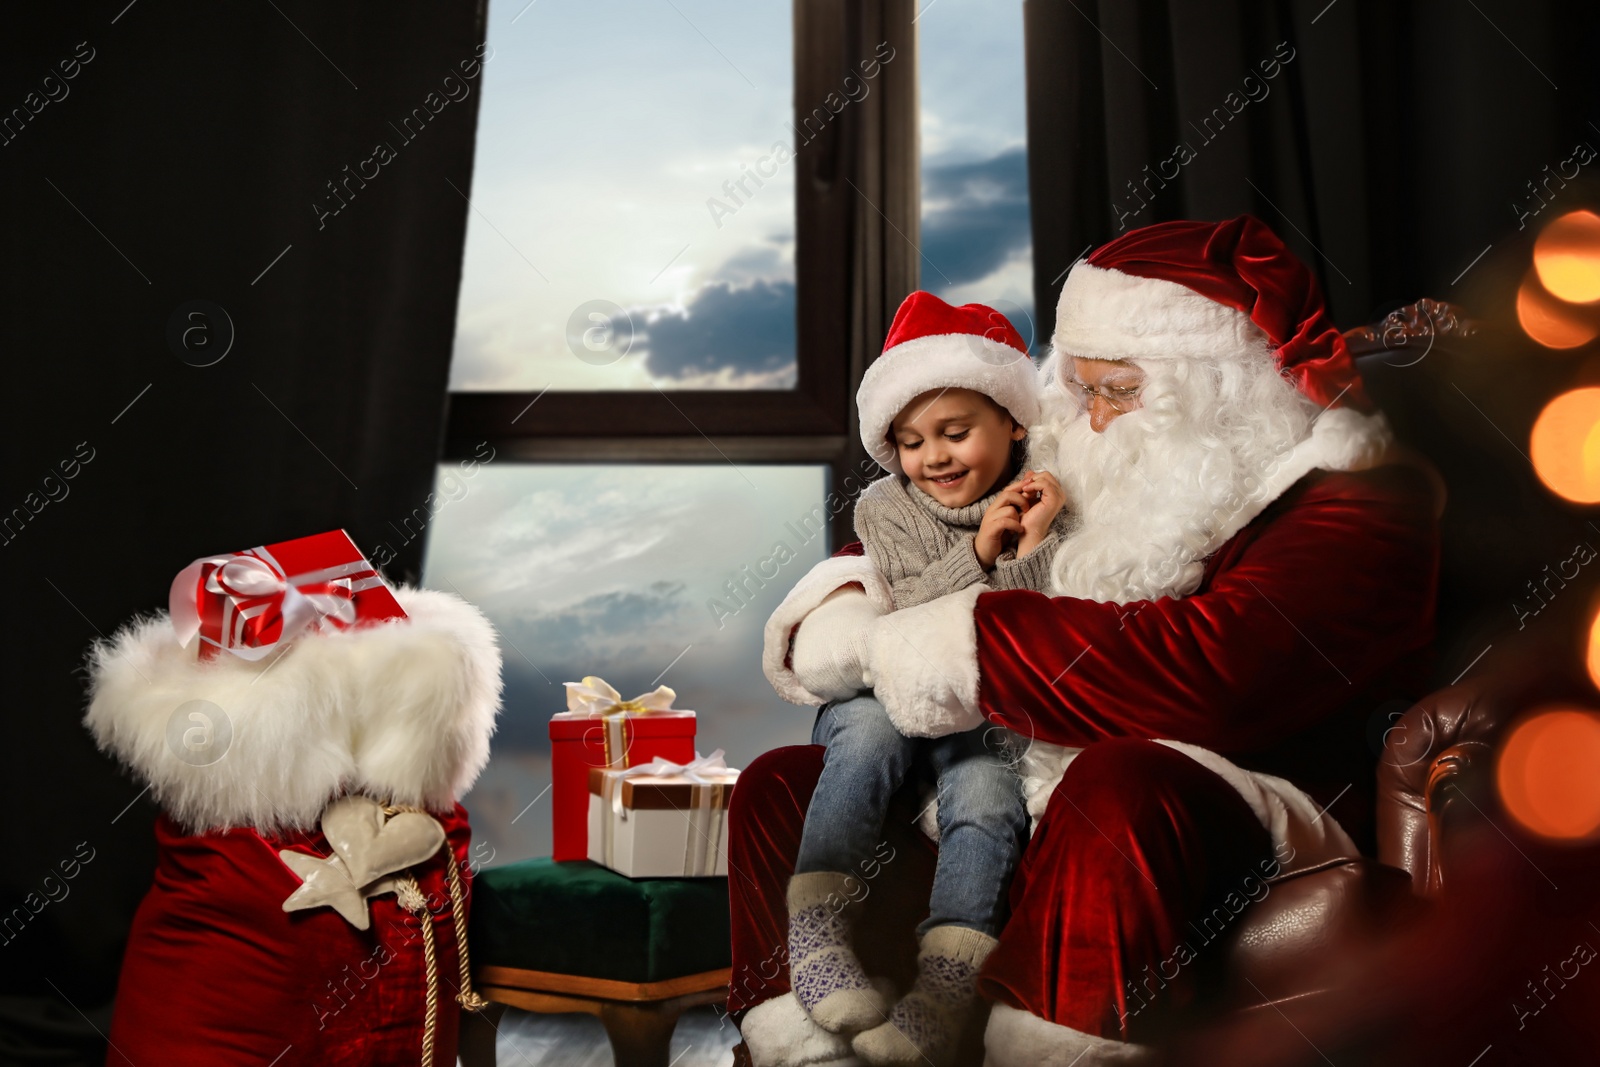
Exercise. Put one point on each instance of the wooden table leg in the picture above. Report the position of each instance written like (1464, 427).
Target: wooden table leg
(478, 1031)
(641, 1034)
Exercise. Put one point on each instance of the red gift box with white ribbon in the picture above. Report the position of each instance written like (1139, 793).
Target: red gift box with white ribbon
(600, 729)
(251, 603)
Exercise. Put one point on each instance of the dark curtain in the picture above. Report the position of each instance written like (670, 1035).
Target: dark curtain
(154, 154)
(1398, 148)
(1388, 143)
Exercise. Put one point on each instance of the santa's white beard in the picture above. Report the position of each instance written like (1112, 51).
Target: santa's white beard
(1166, 484)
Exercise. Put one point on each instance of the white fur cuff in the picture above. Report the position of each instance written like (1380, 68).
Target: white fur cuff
(826, 577)
(1015, 1038)
(779, 1033)
(924, 665)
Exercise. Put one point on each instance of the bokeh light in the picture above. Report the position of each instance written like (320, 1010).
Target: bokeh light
(1551, 322)
(1567, 255)
(1549, 774)
(1594, 650)
(1565, 445)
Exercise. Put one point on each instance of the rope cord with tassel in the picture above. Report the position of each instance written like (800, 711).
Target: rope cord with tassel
(410, 897)
(467, 996)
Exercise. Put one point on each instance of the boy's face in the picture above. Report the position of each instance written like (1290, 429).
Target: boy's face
(954, 444)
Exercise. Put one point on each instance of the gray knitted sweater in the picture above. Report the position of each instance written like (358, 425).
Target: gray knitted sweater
(926, 550)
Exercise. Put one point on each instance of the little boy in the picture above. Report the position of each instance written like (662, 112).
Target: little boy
(945, 410)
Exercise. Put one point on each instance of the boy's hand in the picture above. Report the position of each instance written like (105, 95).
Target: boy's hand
(1046, 499)
(1001, 520)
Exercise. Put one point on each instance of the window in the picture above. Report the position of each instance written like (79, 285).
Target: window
(646, 466)
(632, 219)
(839, 269)
(645, 575)
(977, 242)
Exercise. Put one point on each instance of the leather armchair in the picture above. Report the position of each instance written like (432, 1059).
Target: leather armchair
(1433, 757)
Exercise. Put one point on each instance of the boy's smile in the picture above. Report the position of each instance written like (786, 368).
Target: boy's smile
(954, 444)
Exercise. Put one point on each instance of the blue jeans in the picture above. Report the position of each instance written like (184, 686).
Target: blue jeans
(983, 822)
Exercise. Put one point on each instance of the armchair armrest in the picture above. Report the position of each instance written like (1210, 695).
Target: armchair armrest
(1430, 756)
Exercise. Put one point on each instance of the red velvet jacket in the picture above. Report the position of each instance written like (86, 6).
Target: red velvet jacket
(1304, 623)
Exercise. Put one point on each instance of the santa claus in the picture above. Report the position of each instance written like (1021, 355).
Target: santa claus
(1251, 572)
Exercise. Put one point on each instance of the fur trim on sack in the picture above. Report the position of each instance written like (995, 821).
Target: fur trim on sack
(401, 711)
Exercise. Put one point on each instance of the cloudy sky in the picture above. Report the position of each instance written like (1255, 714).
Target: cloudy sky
(597, 167)
(976, 244)
(593, 173)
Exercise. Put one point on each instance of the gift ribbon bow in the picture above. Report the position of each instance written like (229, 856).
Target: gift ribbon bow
(595, 697)
(255, 606)
(695, 770)
(706, 806)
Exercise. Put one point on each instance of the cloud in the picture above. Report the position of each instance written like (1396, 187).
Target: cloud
(975, 218)
(626, 636)
(746, 328)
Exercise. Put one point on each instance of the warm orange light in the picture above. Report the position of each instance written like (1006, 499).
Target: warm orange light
(1565, 445)
(1551, 322)
(1594, 650)
(1567, 255)
(1549, 774)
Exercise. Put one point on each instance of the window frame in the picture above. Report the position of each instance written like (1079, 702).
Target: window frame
(857, 211)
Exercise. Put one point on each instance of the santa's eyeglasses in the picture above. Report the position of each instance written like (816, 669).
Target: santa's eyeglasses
(1121, 398)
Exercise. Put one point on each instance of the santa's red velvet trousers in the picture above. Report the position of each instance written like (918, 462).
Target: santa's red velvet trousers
(1137, 843)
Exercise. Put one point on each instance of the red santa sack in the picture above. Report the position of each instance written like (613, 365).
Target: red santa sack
(310, 891)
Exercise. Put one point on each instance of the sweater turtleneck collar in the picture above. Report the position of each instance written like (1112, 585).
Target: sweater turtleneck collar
(971, 514)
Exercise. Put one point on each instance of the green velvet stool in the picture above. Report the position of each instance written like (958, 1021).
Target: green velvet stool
(563, 937)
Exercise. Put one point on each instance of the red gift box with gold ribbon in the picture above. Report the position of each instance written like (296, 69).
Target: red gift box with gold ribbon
(250, 603)
(600, 729)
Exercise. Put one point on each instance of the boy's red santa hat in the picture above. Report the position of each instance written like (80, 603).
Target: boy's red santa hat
(1207, 291)
(932, 345)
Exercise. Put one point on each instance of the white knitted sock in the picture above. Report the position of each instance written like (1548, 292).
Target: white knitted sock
(925, 1025)
(779, 1033)
(823, 970)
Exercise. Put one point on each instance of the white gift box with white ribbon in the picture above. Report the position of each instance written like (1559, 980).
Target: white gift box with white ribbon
(662, 819)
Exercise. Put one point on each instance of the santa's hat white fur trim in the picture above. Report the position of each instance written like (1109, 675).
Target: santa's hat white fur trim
(780, 1033)
(942, 361)
(831, 574)
(401, 711)
(1106, 314)
(1016, 1038)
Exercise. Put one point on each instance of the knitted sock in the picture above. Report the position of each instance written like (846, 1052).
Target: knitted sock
(823, 970)
(926, 1024)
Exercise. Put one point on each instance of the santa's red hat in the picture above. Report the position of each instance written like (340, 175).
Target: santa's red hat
(932, 345)
(1207, 291)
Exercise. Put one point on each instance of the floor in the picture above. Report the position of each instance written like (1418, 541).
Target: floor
(703, 1039)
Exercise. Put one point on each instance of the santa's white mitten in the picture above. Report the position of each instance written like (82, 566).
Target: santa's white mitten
(829, 655)
(923, 662)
